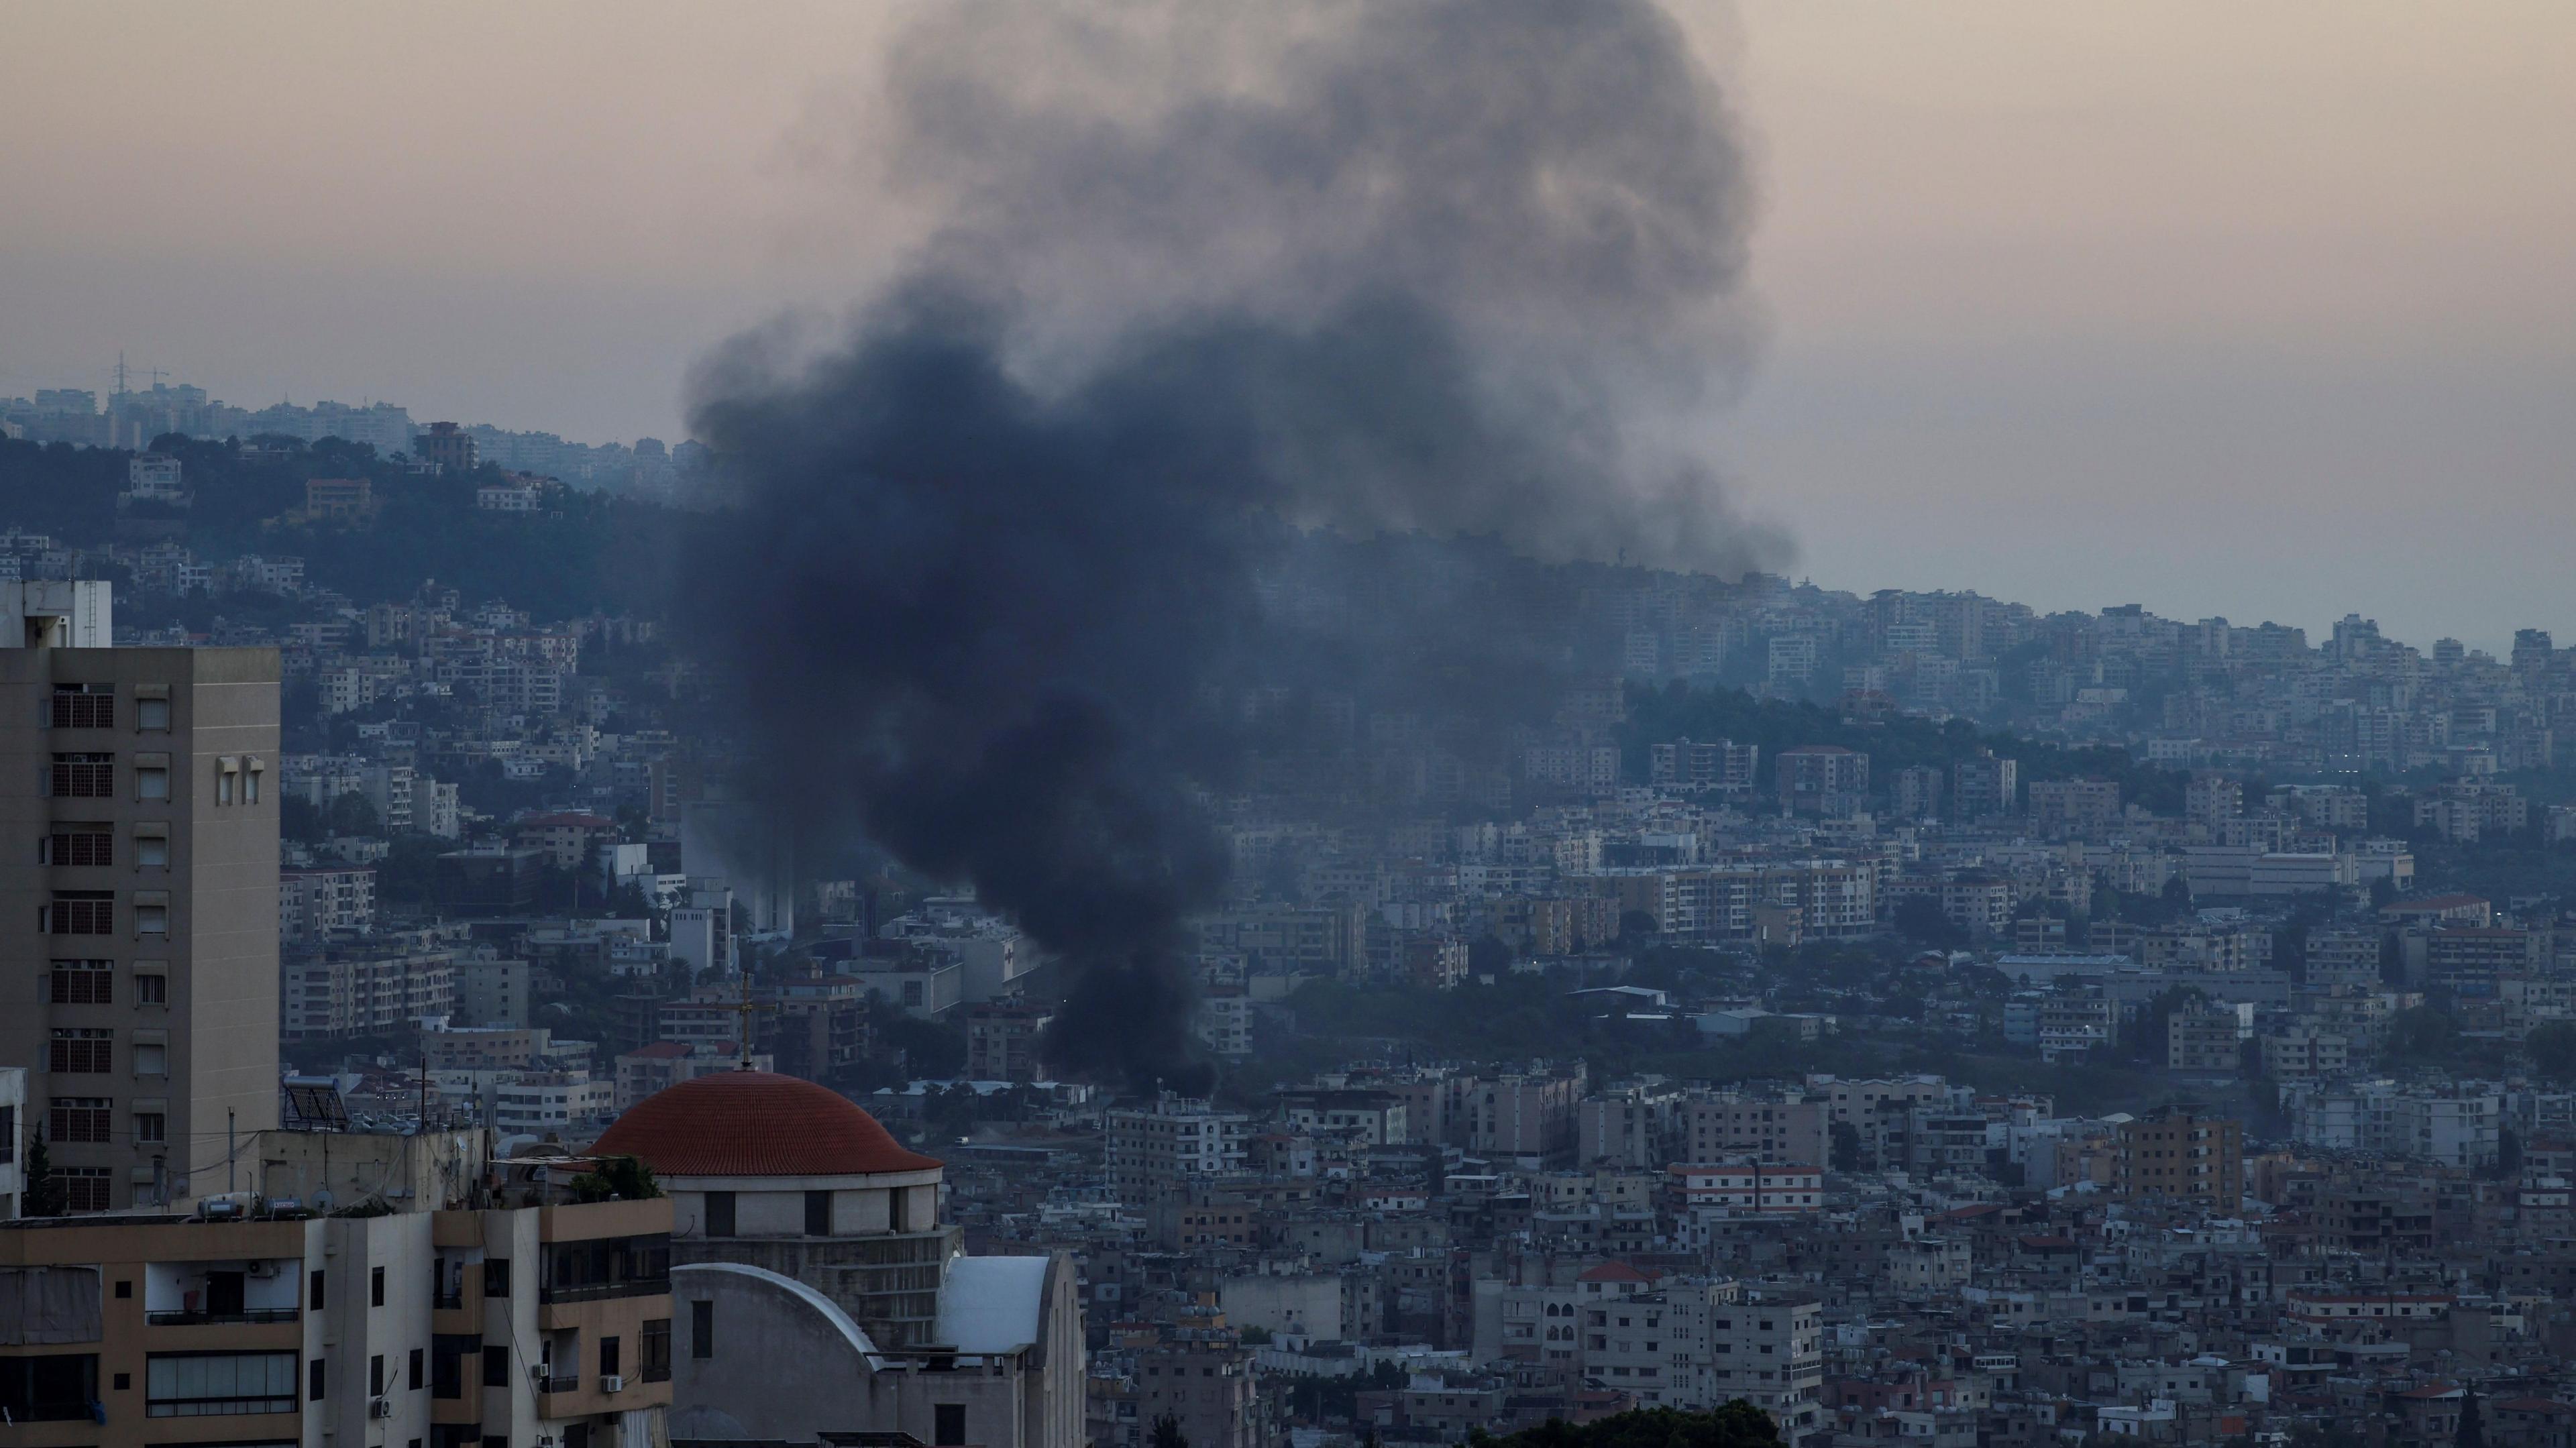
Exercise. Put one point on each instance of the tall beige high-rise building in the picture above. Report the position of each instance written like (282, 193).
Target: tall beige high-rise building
(138, 897)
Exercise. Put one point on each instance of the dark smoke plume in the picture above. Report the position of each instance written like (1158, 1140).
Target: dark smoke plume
(1206, 276)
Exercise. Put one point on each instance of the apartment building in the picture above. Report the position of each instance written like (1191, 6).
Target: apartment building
(312, 904)
(1820, 778)
(1726, 1125)
(1630, 1127)
(2208, 1037)
(661, 1065)
(1720, 764)
(2305, 1055)
(1745, 1188)
(1984, 786)
(1202, 1378)
(1766, 1349)
(1172, 1143)
(2072, 1023)
(135, 783)
(2175, 1154)
(1222, 1020)
(2074, 808)
(1361, 1117)
(1002, 1040)
(1528, 1115)
(2343, 958)
(1696, 1344)
(365, 988)
(524, 1325)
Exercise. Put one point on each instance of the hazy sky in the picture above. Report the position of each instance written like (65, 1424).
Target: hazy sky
(2264, 311)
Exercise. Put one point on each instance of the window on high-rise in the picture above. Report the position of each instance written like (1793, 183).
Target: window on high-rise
(84, 706)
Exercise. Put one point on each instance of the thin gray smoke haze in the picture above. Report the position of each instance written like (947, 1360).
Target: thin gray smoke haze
(1206, 277)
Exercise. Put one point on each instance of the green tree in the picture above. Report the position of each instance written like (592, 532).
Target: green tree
(2422, 1034)
(2508, 1165)
(2552, 1048)
(2472, 1432)
(1846, 1148)
(616, 1179)
(351, 813)
(299, 821)
(42, 1196)
(1167, 1433)
(1919, 918)
(2149, 1041)
(2177, 896)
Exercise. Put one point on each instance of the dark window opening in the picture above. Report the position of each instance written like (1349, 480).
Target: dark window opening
(80, 847)
(84, 706)
(84, 776)
(83, 1120)
(447, 1354)
(82, 1051)
(81, 912)
(653, 1350)
(51, 1389)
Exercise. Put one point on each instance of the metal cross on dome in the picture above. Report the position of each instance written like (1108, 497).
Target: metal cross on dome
(746, 1008)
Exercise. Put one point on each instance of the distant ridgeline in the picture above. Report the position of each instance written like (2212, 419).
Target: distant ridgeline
(554, 550)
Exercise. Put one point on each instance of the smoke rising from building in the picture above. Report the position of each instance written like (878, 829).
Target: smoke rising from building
(1206, 276)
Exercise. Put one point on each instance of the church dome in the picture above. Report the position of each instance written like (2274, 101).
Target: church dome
(755, 1124)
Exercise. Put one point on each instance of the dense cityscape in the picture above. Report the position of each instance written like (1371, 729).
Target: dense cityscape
(1964, 1023)
(1145, 725)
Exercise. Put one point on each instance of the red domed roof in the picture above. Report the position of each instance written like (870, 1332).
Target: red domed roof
(755, 1123)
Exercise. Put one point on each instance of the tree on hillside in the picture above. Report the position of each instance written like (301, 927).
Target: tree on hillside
(2552, 1048)
(2148, 1041)
(2422, 1035)
(1919, 918)
(1167, 1434)
(2472, 1432)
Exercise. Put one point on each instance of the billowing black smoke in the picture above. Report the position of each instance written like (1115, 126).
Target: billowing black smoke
(1206, 276)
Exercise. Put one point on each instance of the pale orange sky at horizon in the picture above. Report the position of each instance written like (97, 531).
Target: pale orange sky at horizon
(2263, 311)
